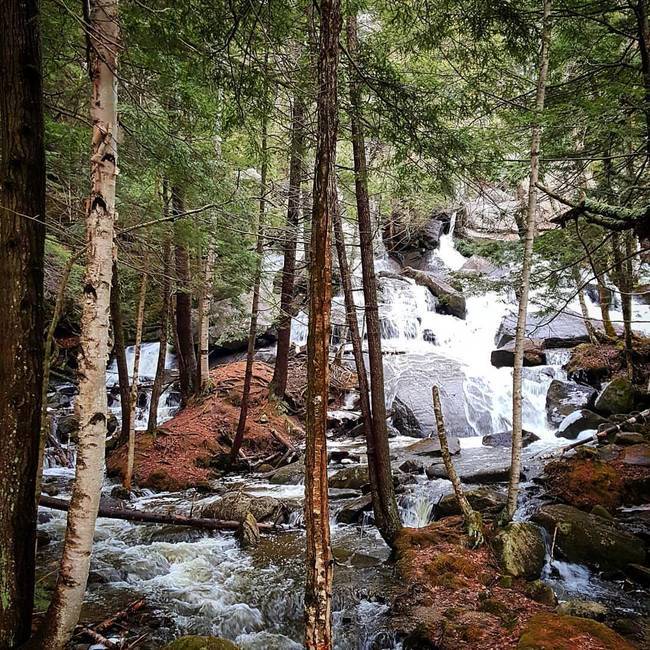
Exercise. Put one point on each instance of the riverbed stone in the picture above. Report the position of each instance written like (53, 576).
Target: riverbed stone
(201, 643)
(292, 474)
(67, 428)
(352, 512)
(234, 506)
(587, 539)
(561, 330)
(504, 357)
(577, 422)
(483, 499)
(616, 397)
(584, 609)
(521, 550)
(477, 470)
(504, 439)
(565, 397)
(541, 592)
(431, 447)
(637, 455)
(405, 420)
(350, 477)
(248, 533)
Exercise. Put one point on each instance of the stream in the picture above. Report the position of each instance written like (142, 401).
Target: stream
(200, 583)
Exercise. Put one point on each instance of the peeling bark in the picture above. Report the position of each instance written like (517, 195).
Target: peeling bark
(203, 318)
(119, 349)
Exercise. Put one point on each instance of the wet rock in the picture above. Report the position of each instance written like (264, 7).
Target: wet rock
(547, 631)
(490, 466)
(67, 428)
(565, 397)
(426, 238)
(405, 420)
(201, 643)
(120, 492)
(577, 422)
(265, 468)
(616, 397)
(540, 592)
(350, 477)
(412, 466)
(450, 300)
(504, 439)
(44, 516)
(292, 474)
(629, 438)
(635, 629)
(521, 550)
(479, 265)
(483, 499)
(639, 573)
(340, 423)
(601, 511)
(561, 330)
(504, 357)
(50, 489)
(591, 540)
(637, 455)
(352, 512)
(42, 539)
(431, 446)
(248, 533)
(583, 608)
(104, 575)
(235, 506)
(337, 494)
(429, 336)
(339, 455)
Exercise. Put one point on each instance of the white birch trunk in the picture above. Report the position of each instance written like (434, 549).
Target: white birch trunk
(64, 609)
(204, 321)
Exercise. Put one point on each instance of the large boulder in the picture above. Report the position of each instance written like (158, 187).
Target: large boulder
(405, 420)
(577, 422)
(292, 474)
(450, 300)
(617, 397)
(399, 239)
(565, 397)
(431, 446)
(588, 539)
(248, 533)
(548, 631)
(561, 330)
(483, 499)
(234, 506)
(352, 512)
(521, 550)
(504, 439)
(505, 355)
(478, 265)
(350, 478)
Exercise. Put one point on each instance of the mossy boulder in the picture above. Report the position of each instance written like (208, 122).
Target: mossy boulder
(350, 478)
(201, 643)
(483, 499)
(546, 631)
(292, 474)
(234, 506)
(587, 539)
(521, 550)
(617, 397)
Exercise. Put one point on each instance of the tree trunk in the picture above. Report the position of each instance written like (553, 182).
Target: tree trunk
(157, 388)
(279, 382)
(187, 365)
(378, 506)
(119, 349)
(643, 34)
(22, 237)
(63, 612)
(591, 331)
(203, 318)
(625, 288)
(135, 380)
(389, 524)
(318, 556)
(520, 331)
(473, 519)
(252, 332)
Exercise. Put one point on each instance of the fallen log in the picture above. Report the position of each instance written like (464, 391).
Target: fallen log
(614, 428)
(451, 300)
(109, 622)
(152, 517)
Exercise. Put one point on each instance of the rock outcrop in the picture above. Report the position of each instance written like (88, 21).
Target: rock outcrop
(521, 550)
(450, 300)
(565, 397)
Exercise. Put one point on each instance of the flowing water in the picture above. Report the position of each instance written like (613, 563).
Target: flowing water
(202, 583)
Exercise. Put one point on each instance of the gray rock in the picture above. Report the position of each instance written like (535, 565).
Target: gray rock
(248, 533)
(504, 439)
(67, 428)
(504, 357)
(617, 397)
(583, 609)
(561, 330)
(479, 265)
(292, 474)
(587, 539)
(412, 466)
(540, 592)
(565, 397)
(234, 506)
(451, 301)
(521, 550)
(350, 477)
(405, 420)
(352, 512)
(431, 447)
(577, 422)
(483, 499)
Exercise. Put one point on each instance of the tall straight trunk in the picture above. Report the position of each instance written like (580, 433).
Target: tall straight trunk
(589, 326)
(625, 287)
(389, 522)
(520, 331)
(604, 302)
(252, 331)
(139, 322)
(279, 382)
(119, 349)
(22, 240)
(378, 506)
(306, 225)
(203, 318)
(643, 35)
(318, 556)
(156, 390)
(184, 309)
(63, 612)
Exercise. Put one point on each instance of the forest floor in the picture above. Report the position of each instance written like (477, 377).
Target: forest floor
(188, 449)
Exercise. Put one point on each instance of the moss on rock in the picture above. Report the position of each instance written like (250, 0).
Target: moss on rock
(201, 643)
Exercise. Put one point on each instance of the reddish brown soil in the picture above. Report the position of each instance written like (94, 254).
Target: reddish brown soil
(180, 455)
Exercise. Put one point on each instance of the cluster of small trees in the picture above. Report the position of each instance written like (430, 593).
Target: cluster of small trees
(211, 88)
